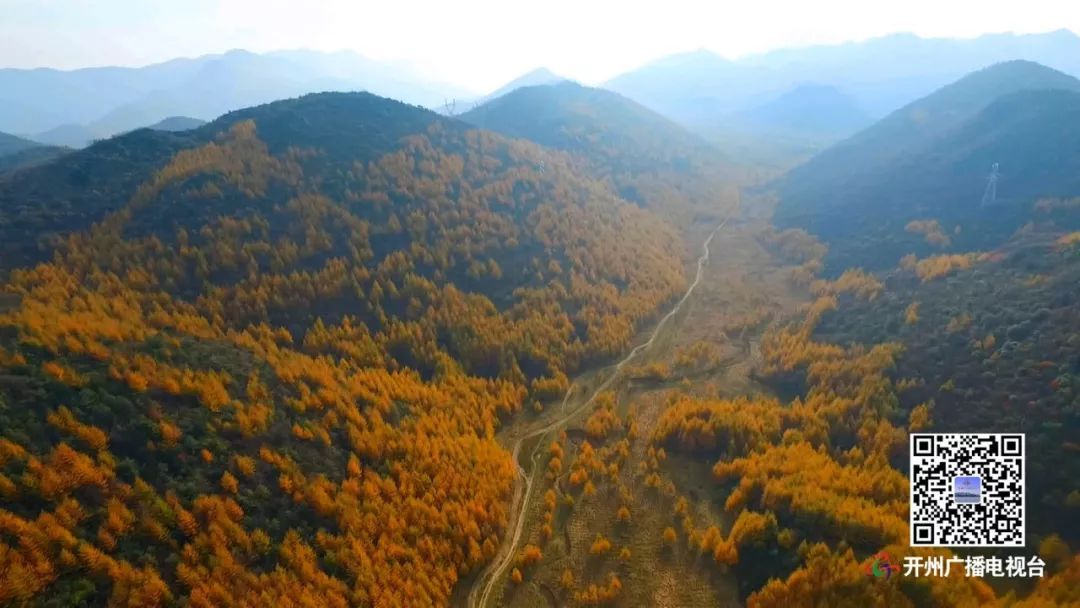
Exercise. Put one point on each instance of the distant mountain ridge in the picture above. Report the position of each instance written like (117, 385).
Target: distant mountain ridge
(887, 72)
(932, 158)
(539, 76)
(880, 74)
(699, 89)
(811, 109)
(78, 106)
(177, 123)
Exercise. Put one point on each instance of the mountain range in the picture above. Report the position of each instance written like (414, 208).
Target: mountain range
(880, 74)
(76, 107)
(177, 123)
(781, 107)
(932, 159)
(721, 98)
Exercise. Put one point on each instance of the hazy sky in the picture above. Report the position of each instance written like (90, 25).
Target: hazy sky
(483, 43)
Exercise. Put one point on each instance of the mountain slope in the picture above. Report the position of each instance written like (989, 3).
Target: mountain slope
(994, 348)
(30, 157)
(10, 144)
(932, 159)
(650, 160)
(272, 369)
(916, 124)
(16, 152)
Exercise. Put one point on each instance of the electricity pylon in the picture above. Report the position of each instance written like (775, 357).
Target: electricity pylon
(990, 195)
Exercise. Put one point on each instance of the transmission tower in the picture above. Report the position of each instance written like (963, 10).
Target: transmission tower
(990, 195)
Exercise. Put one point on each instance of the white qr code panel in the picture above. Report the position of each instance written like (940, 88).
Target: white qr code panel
(967, 489)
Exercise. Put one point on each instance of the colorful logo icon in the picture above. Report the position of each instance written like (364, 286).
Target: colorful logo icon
(968, 489)
(879, 566)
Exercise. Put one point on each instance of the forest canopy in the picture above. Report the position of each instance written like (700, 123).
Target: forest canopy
(278, 368)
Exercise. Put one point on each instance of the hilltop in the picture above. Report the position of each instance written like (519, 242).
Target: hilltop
(177, 123)
(650, 160)
(537, 77)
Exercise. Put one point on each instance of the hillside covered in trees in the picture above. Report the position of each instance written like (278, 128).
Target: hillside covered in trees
(989, 343)
(16, 152)
(279, 359)
(933, 158)
(649, 159)
(966, 324)
(262, 362)
(678, 488)
(686, 483)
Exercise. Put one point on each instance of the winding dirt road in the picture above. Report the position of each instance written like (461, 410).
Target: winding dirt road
(484, 584)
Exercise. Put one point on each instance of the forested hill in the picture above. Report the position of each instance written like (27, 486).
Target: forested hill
(261, 362)
(10, 144)
(84, 186)
(649, 159)
(932, 160)
(16, 152)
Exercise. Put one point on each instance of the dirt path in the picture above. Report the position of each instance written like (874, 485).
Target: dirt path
(484, 584)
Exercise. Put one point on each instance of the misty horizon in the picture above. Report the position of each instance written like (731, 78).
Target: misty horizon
(480, 45)
(414, 69)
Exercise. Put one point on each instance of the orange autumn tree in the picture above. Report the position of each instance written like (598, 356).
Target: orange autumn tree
(787, 478)
(254, 341)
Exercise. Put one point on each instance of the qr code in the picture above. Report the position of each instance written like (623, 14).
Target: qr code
(967, 490)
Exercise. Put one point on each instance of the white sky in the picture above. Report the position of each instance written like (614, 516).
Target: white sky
(483, 43)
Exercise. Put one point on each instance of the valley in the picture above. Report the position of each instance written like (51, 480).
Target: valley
(710, 310)
(661, 342)
(566, 412)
